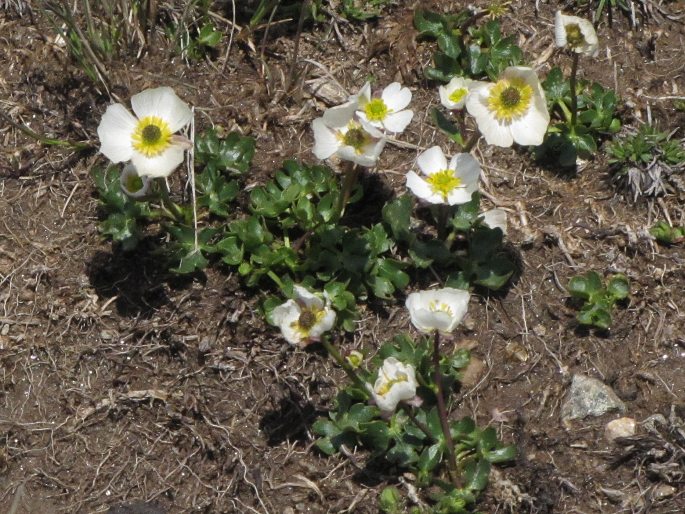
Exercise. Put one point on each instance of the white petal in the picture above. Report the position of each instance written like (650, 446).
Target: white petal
(396, 97)
(422, 189)
(164, 103)
(326, 143)
(366, 123)
(459, 196)
(427, 321)
(559, 30)
(284, 316)
(128, 171)
(309, 299)
(323, 326)
(363, 96)
(340, 115)
(432, 160)
(467, 167)
(398, 121)
(494, 132)
(115, 131)
(496, 218)
(159, 166)
(530, 129)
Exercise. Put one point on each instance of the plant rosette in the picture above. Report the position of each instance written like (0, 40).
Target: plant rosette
(304, 319)
(451, 184)
(453, 94)
(338, 132)
(149, 138)
(511, 110)
(133, 185)
(437, 309)
(575, 33)
(396, 382)
(387, 112)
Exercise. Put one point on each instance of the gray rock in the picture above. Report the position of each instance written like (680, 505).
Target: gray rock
(589, 397)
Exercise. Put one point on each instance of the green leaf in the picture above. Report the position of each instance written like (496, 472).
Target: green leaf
(389, 500)
(594, 315)
(376, 435)
(326, 446)
(430, 457)
(449, 44)
(209, 36)
(402, 454)
(476, 475)
(504, 454)
(429, 23)
(618, 287)
(234, 153)
(585, 286)
(191, 262)
(556, 87)
(397, 215)
(324, 427)
(446, 126)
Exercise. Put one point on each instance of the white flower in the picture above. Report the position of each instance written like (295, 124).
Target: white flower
(146, 139)
(576, 33)
(437, 309)
(304, 319)
(396, 382)
(337, 132)
(387, 112)
(132, 184)
(496, 218)
(511, 110)
(451, 184)
(453, 95)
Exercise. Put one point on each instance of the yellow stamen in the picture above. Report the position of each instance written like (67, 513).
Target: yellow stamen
(444, 182)
(510, 99)
(390, 382)
(376, 110)
(434, 306)
(356, 137)
(152, 136)
(458, 94)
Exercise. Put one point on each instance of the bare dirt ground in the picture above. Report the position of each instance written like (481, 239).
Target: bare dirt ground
(120, 383)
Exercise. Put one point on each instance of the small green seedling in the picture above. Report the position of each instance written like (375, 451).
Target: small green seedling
(598, 298)
(666, 234)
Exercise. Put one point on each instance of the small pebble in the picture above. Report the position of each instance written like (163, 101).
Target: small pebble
(621, 427)
(663, 491)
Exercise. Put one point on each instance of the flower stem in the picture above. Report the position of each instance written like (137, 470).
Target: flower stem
(471, 142)
(408, 409)
(442, 219)
(349, 180)
(442, 412)
(168, 204)
(574, 95)
(333, 352)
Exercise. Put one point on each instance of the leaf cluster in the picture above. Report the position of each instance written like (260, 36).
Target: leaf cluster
(666, 234)
(643, 148)
(598, 298)
(412, 438)
(596, 119)
(465, 48)
(362, 10)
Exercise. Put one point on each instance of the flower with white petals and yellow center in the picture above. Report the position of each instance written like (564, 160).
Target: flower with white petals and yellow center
(147, 139)
(511, 110)
(453, 94)
(339, 133)
(132, 184)
(396, 382)
(387, 112)
(576, 33)
(437, 309)
(305, 318)
(451, 184)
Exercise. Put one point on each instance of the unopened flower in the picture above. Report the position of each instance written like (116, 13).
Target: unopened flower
(305, 318)
(437, 309)
(132, 184)
(396, 382)
(337, 132)
(147, 139)
(451, 184)
(355, 358)
(496, 218)
(453, 94)
(387, 112)
(576, 33)
(513, 109)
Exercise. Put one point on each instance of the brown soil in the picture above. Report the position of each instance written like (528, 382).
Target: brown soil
(120, 383)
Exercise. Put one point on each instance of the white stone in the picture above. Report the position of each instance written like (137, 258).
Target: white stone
(621, 427)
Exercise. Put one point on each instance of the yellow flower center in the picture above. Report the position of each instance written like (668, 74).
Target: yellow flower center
(376, 110)
(133, 183)
(435, 306)
(444, 182)
(356, 137)
(458, 94)
(152, 136)
(308, 318)
(510, 99)
(574, 35)
(390, 382)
